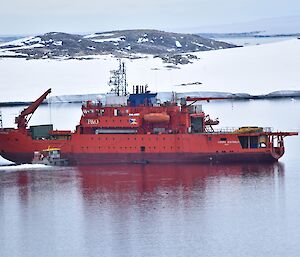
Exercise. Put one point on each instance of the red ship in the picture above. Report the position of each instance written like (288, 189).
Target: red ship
(138, 129)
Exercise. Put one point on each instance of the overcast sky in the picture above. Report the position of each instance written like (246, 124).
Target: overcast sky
(79, 16)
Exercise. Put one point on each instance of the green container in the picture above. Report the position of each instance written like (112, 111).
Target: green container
(41, 131)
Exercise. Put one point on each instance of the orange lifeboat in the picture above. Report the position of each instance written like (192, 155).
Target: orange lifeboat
(161, 117)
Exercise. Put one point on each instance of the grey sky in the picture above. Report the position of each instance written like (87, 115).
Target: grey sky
(37, 16)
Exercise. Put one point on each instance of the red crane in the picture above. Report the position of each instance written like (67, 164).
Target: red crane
(22, 120)
(196, 99)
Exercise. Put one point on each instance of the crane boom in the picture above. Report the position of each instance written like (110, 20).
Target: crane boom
(196, 99)
(22, 120)
(206, 98)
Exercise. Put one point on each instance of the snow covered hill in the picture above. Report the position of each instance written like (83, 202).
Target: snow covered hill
(254, 70)
(56, 45)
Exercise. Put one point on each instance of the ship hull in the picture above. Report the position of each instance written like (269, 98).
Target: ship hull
(173, 148)
(106, 158)
(78, 159)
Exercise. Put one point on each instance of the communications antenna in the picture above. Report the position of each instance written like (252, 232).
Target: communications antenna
(118, 80)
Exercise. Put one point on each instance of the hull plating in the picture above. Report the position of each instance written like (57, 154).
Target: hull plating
(97, 149)
(101, 158)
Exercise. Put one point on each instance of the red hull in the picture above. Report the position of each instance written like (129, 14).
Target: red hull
(97, 149)
(101, 158)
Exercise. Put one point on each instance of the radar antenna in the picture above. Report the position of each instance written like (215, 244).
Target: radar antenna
(118, 80)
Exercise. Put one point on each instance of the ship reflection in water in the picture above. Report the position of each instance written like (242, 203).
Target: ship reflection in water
(153, 179)
(145, 210)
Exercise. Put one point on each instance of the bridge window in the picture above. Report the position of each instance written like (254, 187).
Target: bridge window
(248, 142)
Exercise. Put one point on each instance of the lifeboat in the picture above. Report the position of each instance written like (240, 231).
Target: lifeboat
(249, 130)
(157, 118)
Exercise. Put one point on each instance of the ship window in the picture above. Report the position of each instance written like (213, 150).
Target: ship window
(243, 141)
(223, 139)
(254, 142)
(209, 138)
(143, 148)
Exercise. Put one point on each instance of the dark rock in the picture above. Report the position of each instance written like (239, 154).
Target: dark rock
(168, 46)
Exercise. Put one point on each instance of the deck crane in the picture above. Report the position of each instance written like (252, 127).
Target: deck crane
(22, 120)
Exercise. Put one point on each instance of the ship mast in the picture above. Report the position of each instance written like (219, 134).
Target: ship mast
(118, 80)
(1, 123)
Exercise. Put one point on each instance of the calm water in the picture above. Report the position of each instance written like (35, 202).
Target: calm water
(157, 210)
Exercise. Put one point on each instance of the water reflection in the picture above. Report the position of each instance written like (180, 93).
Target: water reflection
(148, 210)
(136, 210)
(150, 178)
(139, 179)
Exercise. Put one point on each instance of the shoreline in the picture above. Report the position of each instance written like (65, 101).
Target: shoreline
(71, 99)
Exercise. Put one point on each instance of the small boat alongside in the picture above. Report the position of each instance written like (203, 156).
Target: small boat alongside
(50, 156)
